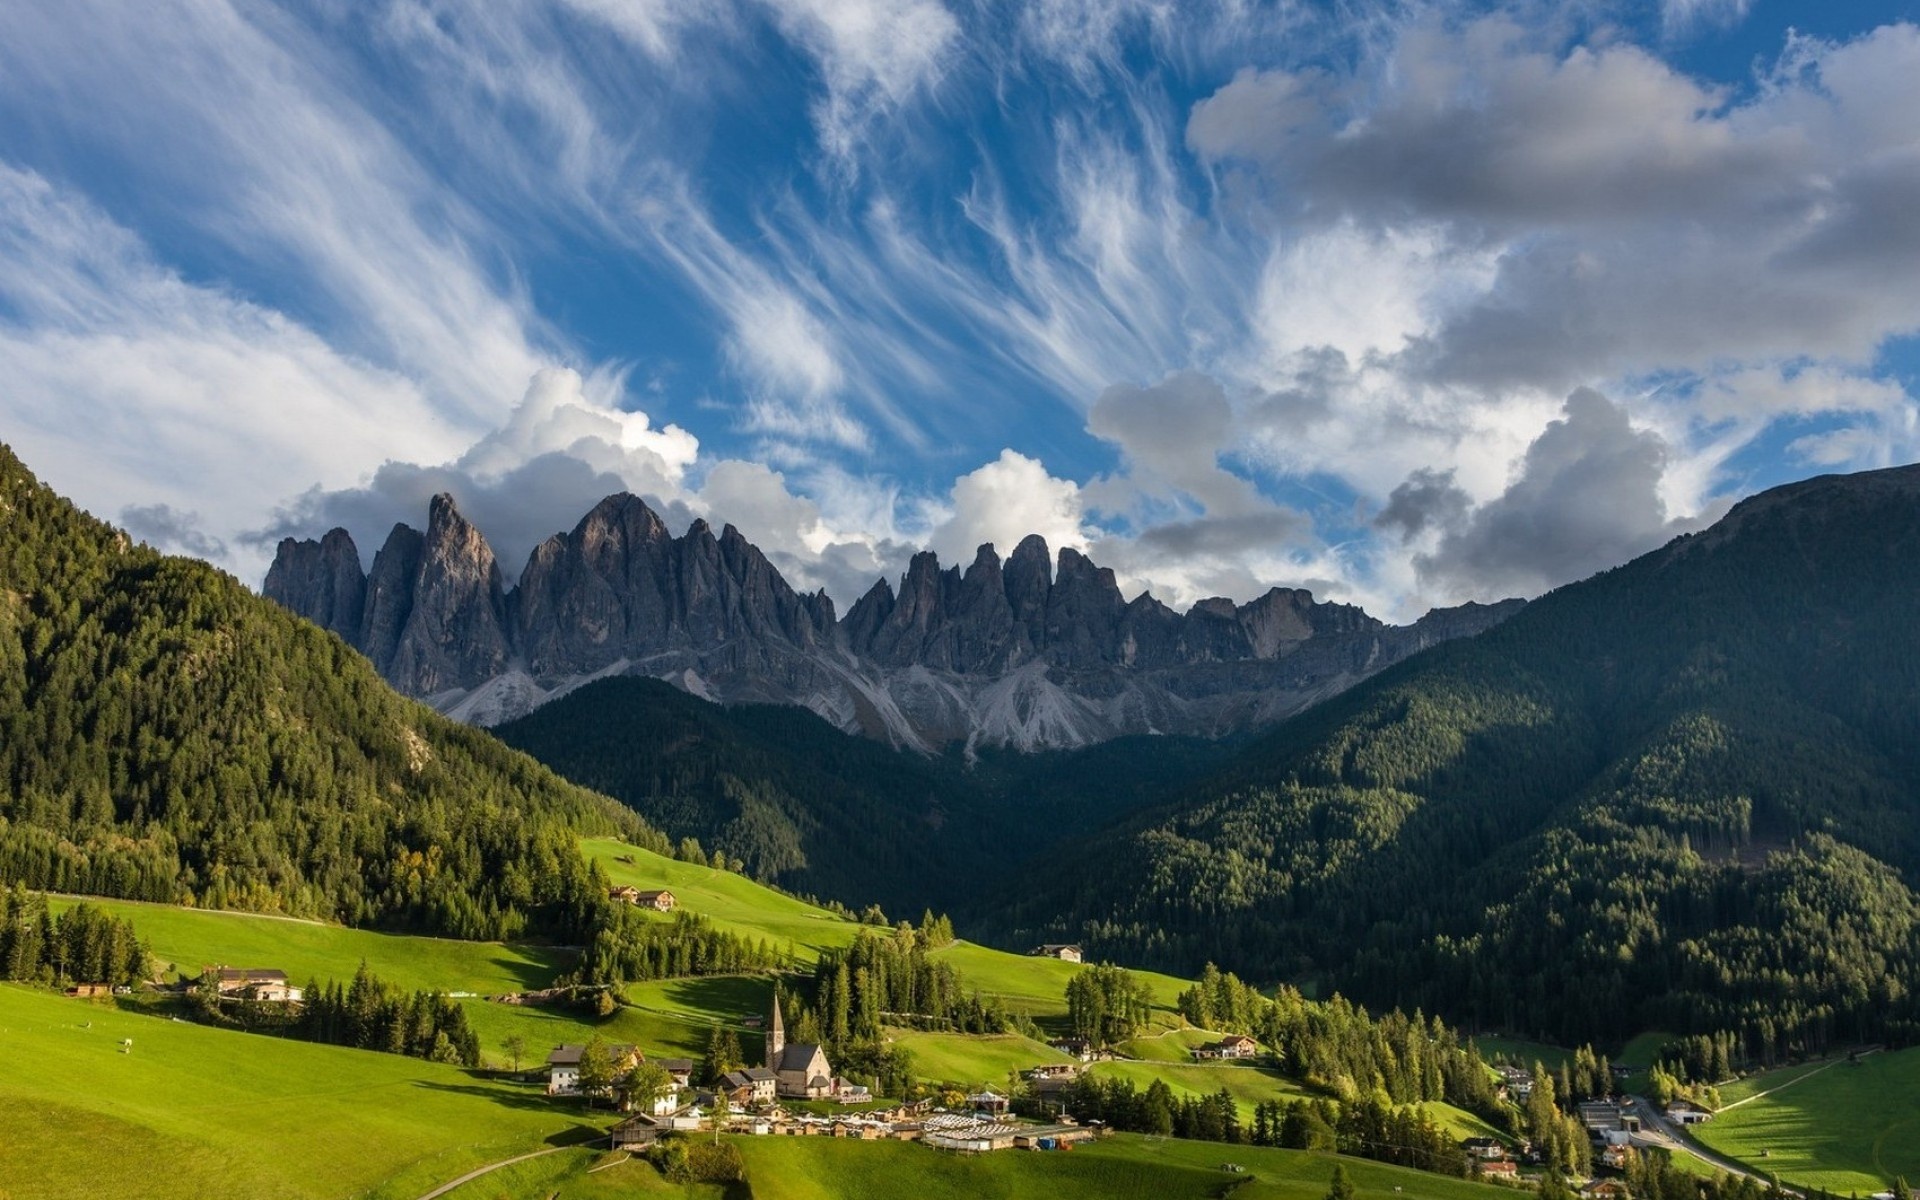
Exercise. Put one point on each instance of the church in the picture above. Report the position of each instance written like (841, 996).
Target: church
(801, 1070)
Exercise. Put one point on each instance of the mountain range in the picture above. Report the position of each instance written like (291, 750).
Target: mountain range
(1032, 652)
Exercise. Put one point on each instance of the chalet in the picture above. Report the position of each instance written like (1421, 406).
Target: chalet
(1500, 1169)
(563, 1066)
(1485, 1148)
(1517, 1080)
(681, 1069)
(801, 1069)
(658, 899)
(1233, 1046)
(1074, 1047)
(1606, 1189)
(1062, 951)
(255, 983)
(1616, 1157)
(1051, 1071)
(759, 1085)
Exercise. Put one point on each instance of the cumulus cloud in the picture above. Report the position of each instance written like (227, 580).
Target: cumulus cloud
(1004, 501)
(1587, 497)
(564, 447)
(1642, 220)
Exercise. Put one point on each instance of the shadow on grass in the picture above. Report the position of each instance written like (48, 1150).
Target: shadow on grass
(722, 996)
(536, 967)
(527, 1100)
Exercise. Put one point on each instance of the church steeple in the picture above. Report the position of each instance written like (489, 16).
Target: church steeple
(776, 1035)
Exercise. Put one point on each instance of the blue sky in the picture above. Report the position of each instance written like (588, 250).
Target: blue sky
(1408, 303)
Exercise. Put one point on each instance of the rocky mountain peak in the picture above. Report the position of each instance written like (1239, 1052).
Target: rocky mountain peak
(1036, 650)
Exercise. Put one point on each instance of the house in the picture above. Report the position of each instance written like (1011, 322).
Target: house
(1517, 1080)
(801, 1069)
(1686, 1112)
(1232, 1046)
(1606, 1189)
(1500, 1169)
(1063, 952)
(255, 983)
(1484, 1148)
(848, 1092)
(658, 899)
(758, 1084)
(87, 991)
(563, 1066)
(1051, 1071)
(1074, 1047)
(681, 1069)
(1616, 1157)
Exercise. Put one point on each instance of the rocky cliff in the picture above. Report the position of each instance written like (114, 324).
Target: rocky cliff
(1035, 652)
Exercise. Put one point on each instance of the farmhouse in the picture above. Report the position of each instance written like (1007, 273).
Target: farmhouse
(658, 899)
(680, 1069)
(254, 983)
(1062, 951)
(563, 1066)
(1606, 1189)
(759, 1085)
(1484, 1148)
(1233, 1046)
(1500, 1169)
(1074, 1047)
(801, 1070)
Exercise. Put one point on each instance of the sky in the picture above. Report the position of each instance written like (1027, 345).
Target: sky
(1407, 303)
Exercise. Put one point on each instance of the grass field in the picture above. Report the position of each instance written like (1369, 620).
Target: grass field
(189, 1104)
(190, 939)
(1765, 1081)
(1123, 1166)
(1851, 1128)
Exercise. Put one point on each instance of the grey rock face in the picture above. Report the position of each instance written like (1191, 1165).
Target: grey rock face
(1034, 652)
(321, 581)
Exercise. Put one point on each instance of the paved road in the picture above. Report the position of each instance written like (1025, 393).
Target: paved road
(1658, 1131)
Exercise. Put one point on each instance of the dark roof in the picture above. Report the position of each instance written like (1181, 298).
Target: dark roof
(251, 975)
(759, 1073)
(799, 1056)
(674, 1065)
(569, 1055)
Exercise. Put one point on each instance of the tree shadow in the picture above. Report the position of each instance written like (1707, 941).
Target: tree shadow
(738, 995)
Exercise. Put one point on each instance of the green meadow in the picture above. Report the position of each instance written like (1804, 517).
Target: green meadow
(1851, 1128)
(1122, 1166)
(185, 1105)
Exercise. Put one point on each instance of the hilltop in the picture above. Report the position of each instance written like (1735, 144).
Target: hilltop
(1677, 795)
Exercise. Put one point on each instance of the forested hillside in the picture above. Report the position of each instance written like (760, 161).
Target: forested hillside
(1684, 794)
(801, 804)
(167, 735)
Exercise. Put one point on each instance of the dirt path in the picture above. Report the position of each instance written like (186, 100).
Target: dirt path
(477, 1172)
(1797, 1079)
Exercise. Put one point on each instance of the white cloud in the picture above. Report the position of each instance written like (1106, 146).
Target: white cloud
(129, 388)
(1004, 501)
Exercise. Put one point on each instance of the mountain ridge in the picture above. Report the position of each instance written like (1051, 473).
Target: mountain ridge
(1033, 652)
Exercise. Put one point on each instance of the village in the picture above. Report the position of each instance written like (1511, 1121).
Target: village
(798, 1093)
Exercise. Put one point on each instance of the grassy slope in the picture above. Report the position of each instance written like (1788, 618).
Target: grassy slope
(823, 1169)
(264, 1116)
(1848, 1129)
(189, 939)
